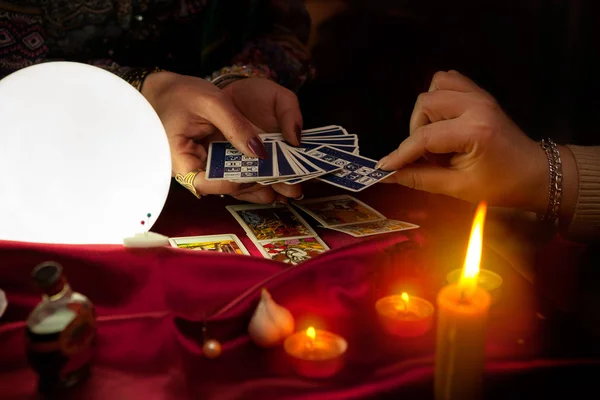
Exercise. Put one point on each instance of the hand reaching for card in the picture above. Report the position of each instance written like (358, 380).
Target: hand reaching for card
(194, 113)
(463, 145)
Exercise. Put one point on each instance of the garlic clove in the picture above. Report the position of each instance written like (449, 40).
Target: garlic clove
(271, 323)
(281, 315)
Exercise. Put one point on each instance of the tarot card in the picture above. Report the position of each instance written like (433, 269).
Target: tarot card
(357, 173)
(338, 211)
(314, 167)
(269, 223)
(227, 243)
(292, 251)
(225, 162)
(304, 171)
(308, 146)
(335, 132)
(350, 140)
(374, 228)
(323, 128)
(284, 164)
(323, 168)
(314, 164)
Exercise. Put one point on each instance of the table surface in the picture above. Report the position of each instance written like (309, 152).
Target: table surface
(152, 304)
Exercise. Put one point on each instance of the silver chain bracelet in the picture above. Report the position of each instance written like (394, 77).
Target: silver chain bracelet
(556, 177)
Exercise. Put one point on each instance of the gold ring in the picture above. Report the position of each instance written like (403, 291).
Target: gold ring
(187, 181)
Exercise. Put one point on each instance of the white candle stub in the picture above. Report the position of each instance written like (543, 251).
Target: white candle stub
(3, 303)
(146, 240)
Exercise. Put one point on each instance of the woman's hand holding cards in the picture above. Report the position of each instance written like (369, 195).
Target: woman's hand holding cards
(195, 112)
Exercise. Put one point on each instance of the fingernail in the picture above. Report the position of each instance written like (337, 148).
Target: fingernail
(258, 148)
(381, 162)
(298, 133)
(299, 197)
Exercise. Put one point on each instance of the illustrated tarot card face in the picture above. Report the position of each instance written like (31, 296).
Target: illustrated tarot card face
(227, 243)
(339, 210)
(375, 228)
(293, 251)
(270, 223)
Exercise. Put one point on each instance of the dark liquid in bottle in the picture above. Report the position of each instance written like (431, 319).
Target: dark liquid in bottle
(61, 359)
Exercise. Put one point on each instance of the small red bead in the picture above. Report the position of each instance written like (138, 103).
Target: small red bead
(143, 222)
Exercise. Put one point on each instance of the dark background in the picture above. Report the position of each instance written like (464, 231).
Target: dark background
(540, 59)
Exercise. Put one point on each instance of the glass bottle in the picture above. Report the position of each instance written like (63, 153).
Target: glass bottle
(60, 331)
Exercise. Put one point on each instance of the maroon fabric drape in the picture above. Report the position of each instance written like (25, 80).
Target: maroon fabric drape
(151, 306)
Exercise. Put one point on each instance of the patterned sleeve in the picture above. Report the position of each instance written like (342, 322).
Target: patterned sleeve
(23, 40)
(280, 53)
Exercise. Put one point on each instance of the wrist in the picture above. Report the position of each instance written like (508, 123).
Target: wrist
(556, 201)
(570, 186)
(233, 73)
(155, 84)
(538, 183)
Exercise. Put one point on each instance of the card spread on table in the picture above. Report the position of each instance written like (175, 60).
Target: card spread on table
(374, 228)
(351, 216)
(292, 251)
(279, 231)
(227, 243)
(340, 210)
(324, 153)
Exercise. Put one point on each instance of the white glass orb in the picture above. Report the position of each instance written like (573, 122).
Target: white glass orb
(83, 157)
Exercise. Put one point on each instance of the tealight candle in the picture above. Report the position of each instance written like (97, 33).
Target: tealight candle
(404, 315)
(488, 280)
(316, 353)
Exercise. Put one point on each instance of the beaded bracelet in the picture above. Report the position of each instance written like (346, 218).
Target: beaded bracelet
(555, 186)
(228, 75)
(136, 76)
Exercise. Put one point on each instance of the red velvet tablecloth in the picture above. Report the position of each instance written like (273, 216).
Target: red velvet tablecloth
(152, 303)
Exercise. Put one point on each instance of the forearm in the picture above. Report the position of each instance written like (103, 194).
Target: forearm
(580, 214)
(570, 185)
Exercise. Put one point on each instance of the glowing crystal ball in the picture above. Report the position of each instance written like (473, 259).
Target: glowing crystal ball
(83, 156)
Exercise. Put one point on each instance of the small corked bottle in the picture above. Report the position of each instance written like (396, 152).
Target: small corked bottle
(60, 332)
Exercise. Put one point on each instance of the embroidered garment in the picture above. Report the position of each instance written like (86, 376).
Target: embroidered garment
(193, 37)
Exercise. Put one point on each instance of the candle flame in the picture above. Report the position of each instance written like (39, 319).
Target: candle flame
(468, 279)
(404, 297)
(311, 333)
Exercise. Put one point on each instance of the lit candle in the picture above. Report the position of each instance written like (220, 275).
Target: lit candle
(488, 280)
(404, 315)
(462, 313)
(316, 353)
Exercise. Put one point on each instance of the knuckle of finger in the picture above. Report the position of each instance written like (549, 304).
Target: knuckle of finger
(423, 101)
(439, 77)
(424, 134)
(483, 129)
